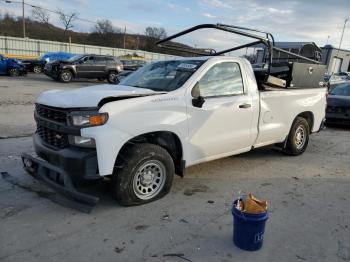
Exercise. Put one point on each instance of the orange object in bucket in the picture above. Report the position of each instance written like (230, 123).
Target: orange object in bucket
(252, 205)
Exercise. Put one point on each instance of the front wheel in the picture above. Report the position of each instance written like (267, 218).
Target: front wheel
(298, 137)
(112, 77)
(145, 176)
(37, 69)
(65, 76)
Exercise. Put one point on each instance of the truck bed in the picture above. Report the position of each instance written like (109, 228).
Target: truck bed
(279, 107)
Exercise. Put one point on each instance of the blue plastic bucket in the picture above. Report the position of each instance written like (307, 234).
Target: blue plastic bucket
(248, 229)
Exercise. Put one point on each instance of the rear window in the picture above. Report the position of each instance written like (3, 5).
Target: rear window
(100, 59)
(111, 59)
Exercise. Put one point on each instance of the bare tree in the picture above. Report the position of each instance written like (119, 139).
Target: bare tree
(105, 27)
(67, 19)
(40, 15)
(152, 35)
(155, 32)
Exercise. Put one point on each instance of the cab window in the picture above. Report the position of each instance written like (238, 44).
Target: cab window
(223, 79)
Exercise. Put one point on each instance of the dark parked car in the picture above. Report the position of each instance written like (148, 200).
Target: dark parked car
(85, 66)
(133, 65)
(34, 65)
(11, 67)
(336, 79)
(338, 104)
(37, 65)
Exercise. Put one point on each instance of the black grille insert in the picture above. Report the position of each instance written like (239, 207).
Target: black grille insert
(52, 137)
(338, 109)
(51, 113)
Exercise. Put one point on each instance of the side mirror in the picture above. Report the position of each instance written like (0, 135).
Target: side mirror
(197, 100)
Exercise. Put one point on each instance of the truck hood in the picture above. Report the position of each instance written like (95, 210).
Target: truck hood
(90, 96)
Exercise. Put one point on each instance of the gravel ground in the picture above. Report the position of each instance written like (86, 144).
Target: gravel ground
(17, 98)
(308, 195)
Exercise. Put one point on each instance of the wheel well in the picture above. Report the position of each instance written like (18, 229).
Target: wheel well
(111, 71)
(68, 69)
(165, 139)
(309, 117)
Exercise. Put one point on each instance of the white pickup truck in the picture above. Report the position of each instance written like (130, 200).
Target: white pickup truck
(165, 117)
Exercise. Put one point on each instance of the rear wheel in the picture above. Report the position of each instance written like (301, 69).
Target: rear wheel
(146, 175)
(13, 72)
(37, 69)
(65, 76)
(112, 77)
(298, 137)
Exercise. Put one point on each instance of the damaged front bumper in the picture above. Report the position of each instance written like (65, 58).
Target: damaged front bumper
(57, 179)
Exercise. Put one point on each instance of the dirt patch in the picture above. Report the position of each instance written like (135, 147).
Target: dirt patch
(344, 250)
(141, 227)
(196, 189)
(119, 249)
(10, 211)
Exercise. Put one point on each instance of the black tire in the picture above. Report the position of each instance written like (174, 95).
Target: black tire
(37, 69)
(65, 76)
(298, 137)
(112, 77)
(127, 182)
(13, 72)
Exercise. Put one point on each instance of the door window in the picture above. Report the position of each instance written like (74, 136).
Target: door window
(223, 79)
(88, 60)
(100, 59)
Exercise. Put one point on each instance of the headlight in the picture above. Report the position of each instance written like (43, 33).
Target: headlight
(82, 141)
(88, 119)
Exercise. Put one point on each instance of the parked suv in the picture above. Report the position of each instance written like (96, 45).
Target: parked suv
(84, 66)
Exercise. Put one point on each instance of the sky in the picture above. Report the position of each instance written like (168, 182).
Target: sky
(319, 21)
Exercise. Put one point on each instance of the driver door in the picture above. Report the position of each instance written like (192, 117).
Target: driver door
(222, 124)
(85, 66)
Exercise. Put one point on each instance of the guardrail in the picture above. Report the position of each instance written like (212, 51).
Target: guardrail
(27, 47)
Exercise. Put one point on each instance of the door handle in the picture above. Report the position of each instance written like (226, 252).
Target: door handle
(245, 105)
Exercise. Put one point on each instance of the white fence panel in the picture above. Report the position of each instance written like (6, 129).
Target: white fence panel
(33, 47)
